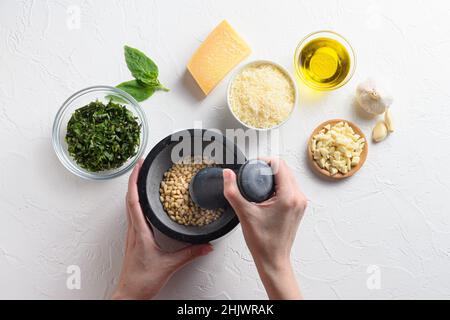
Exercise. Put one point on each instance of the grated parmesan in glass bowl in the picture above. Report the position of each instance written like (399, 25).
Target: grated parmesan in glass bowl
(262, 95)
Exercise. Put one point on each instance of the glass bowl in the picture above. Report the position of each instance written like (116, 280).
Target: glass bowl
(330, 35)
(80, 99)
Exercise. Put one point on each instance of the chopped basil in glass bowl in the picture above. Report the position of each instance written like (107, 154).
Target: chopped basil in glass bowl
(74, 162)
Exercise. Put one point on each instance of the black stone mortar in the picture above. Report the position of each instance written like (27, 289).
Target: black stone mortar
(158, 161)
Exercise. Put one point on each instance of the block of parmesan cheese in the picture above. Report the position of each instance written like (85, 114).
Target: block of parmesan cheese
(222, 50)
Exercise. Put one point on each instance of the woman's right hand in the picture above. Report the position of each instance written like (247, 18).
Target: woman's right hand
(270, 227)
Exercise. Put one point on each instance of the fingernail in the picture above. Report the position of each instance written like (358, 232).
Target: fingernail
(207, 249)
(227, 174)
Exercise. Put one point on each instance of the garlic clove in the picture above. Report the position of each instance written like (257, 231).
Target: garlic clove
(371, 98)
(388, 120)
(379, 132)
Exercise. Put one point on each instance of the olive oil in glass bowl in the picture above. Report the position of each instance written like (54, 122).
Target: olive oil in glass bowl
(324, 60)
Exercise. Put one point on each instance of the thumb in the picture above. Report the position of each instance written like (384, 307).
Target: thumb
(186, 255)
(232, 193)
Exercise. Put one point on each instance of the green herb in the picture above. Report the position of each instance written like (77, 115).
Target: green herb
(102, 137)
(141, 67)
(136, 89)
(145, 71)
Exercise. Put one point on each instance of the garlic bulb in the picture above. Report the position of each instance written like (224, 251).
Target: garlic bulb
(371, 98)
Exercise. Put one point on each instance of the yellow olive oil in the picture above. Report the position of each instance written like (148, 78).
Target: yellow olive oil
(324, 63)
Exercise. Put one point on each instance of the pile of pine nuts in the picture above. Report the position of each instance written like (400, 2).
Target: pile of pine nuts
(175, 198)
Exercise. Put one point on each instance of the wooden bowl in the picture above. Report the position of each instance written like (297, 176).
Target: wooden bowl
(324, 172)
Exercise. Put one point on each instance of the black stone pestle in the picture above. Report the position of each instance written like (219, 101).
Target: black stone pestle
(254, 178)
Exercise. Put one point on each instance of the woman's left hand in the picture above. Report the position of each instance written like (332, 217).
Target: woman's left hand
(146, 268)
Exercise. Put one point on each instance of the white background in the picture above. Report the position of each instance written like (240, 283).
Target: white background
(394, 213)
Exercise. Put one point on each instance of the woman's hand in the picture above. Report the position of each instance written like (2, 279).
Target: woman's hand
(270, 227)
(146, 268)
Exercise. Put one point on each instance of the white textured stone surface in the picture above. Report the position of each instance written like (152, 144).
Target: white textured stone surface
(394, 214)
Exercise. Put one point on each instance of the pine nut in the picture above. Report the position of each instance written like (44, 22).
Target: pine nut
(174, 194)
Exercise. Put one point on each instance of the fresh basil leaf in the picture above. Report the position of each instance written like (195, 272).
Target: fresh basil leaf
(145, 71)
(141, 67)
(137, 89)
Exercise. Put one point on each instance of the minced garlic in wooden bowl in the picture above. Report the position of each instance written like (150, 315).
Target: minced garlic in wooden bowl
(338, 148)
